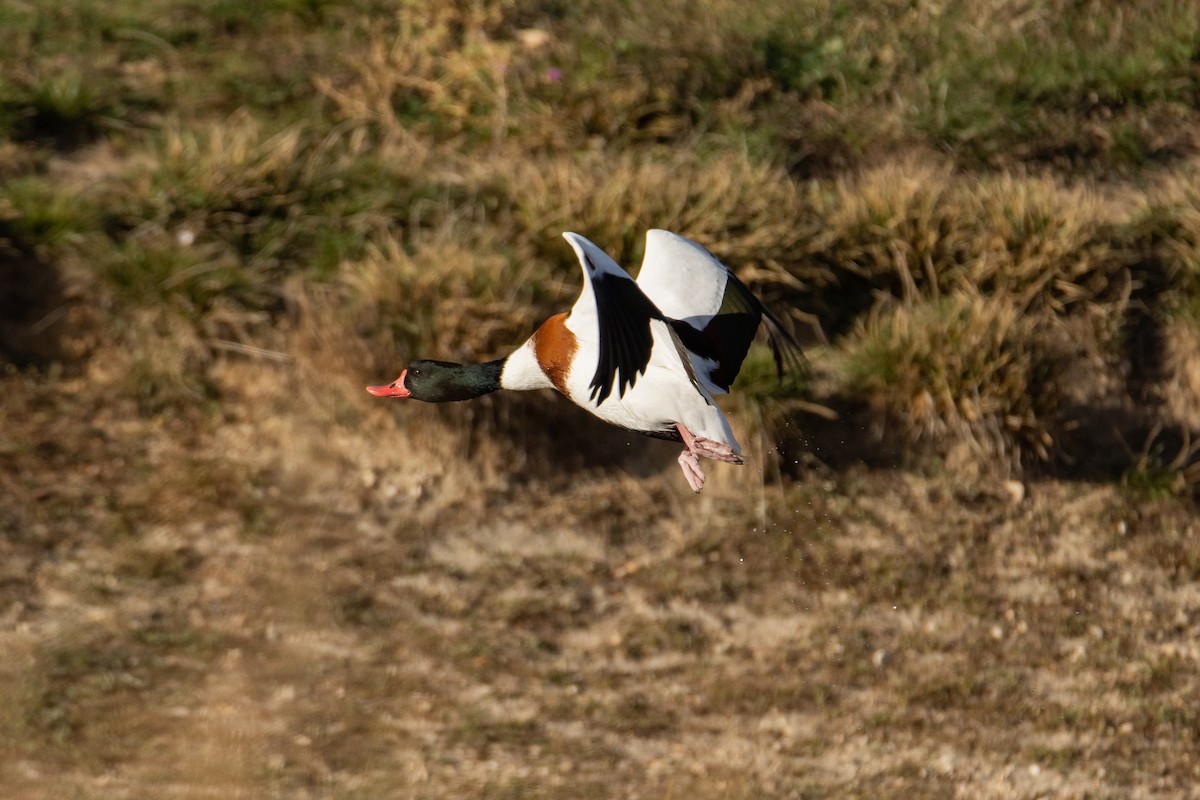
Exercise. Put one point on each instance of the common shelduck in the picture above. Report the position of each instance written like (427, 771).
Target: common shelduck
(645, 355)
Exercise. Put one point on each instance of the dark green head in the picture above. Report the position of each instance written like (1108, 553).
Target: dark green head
(443, 381)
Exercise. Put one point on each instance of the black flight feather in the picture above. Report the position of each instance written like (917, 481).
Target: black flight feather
(623, 312)
(726, 338)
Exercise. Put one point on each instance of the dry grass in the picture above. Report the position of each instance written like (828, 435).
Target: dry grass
(915, 229)
(963, 367)
(227, 571)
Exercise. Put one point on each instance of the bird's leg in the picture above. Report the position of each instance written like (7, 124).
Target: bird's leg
(707, 448)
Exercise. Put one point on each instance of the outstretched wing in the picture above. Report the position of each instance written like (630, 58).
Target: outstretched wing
(715, 315)
(615, 308)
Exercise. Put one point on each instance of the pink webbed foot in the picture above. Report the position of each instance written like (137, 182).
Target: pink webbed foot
(699, 447)
(690, 464)
(707, 448)
(717, 451)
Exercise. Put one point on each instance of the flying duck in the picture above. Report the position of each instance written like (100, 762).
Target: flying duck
(645, 355)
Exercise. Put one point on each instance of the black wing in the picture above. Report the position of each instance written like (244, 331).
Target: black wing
(726, 338)
(624, 313)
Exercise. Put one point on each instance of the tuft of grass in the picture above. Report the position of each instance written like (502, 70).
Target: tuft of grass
(228, 212)
(1032, 239)
(1170, 221)
(961, 368)
(433, 70)
(38, 217)
(440, 296)
(1156, 475)
(80, 71)
(66, 108)
(151, 268)
(235, 178)
(913, 230)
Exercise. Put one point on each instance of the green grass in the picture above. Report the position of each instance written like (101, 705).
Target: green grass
(64, 108)
(1022, 87)
(37, 216)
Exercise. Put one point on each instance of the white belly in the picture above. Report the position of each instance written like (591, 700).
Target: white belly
(662, 396)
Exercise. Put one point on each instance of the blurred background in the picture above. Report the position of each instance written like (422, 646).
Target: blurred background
(963, 561)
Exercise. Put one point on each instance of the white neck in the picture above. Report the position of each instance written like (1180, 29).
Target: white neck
(522, 370)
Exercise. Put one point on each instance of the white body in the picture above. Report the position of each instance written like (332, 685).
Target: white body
(665, 393)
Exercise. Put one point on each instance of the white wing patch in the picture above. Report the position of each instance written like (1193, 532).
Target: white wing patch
(683, 279)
